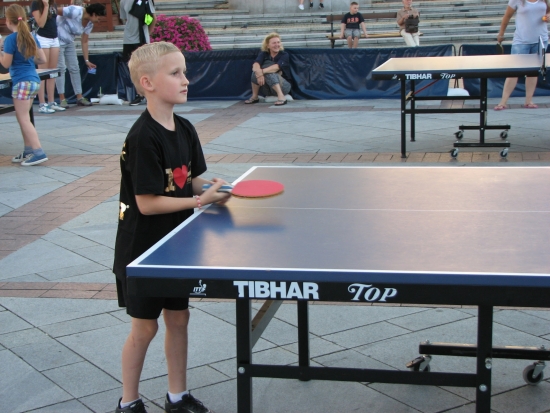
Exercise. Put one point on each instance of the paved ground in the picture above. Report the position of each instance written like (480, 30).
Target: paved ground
(61, 330)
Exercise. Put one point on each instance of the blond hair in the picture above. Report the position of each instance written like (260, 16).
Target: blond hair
(145, 59)
(270, 36)
(17, 17)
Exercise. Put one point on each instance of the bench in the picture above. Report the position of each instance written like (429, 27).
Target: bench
(367, 16)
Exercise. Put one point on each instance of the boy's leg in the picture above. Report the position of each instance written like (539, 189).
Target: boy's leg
(133, 356)
(416, 38)
(356, 42)
(350, 42)
(175, 347)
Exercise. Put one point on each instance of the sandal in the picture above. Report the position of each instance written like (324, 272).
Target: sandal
(500, 107)
(530, 106)
(280, 102)
(251, 101)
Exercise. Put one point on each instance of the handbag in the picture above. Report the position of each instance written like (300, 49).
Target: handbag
(411, 24)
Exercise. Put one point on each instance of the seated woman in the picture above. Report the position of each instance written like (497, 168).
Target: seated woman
(407, 19)
(271, 71)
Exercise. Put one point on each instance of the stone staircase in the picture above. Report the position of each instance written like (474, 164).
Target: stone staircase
(442, 22)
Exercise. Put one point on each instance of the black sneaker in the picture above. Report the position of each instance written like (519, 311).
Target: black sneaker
(310, 4)
(136, 407)
(187, 404)
(138, 100)
(321, 6)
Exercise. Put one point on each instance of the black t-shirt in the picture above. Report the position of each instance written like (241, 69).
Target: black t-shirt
(50, 28)
(353, 21)
(281, 58)
(154, 161)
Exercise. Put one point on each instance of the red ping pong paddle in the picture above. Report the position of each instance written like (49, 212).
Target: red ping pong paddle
(254, 188)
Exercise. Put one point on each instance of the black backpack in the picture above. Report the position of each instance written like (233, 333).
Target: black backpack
(142, 11)
(411, 24)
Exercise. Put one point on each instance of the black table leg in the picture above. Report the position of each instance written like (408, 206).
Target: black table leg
(403, 118)
(412, 111)
(244, 356)
(484, 358)
(483, 110)
(303, 336)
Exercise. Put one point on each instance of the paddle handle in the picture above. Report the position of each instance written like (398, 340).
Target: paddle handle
(223, 188)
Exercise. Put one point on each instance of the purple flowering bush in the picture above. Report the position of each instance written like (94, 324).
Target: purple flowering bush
(184, 32)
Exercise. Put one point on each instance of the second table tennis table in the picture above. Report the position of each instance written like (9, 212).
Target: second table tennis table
(417, 235)
(446, 68)
(5, 83)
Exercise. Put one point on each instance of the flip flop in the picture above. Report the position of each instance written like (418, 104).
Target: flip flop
(251, 101)
(280, 102)
(530, 106)
(500, 107)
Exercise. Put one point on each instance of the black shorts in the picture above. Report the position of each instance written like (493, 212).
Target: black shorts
(128, 49)
(148, 308)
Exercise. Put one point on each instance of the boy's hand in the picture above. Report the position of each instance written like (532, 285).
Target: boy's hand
(211, 195)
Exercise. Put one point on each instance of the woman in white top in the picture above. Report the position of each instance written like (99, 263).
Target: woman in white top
(531, 24)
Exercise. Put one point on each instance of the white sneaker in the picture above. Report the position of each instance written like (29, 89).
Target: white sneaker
(44, 108)
(56, 107)
(301, 7)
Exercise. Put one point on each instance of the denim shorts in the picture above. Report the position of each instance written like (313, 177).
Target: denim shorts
(25, 90)
(352, 32)
(533, 48)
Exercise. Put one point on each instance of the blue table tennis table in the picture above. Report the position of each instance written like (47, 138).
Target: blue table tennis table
(418, 235)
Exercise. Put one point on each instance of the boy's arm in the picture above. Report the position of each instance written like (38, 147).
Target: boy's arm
(342, 29)
(364, 27)
(157, 204)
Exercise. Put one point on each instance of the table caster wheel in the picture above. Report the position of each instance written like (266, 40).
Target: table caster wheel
(454, 153)
(504, 152)
(420, 364)
(503, 134)
(459, 134)
(533, 374)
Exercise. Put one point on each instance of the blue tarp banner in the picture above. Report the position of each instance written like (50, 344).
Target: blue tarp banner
(316, 73)
(225, 75)
(346, 73)
(495, 85)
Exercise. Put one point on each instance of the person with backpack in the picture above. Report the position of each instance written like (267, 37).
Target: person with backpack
(136, 31)
(407, 19)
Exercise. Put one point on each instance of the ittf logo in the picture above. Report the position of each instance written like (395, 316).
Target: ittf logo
(274, 290)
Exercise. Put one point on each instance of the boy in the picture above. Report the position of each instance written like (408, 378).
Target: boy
(161, 162)
(350, 26)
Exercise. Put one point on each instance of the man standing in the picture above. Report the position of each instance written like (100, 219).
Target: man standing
(136, 34)
(75, 21)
